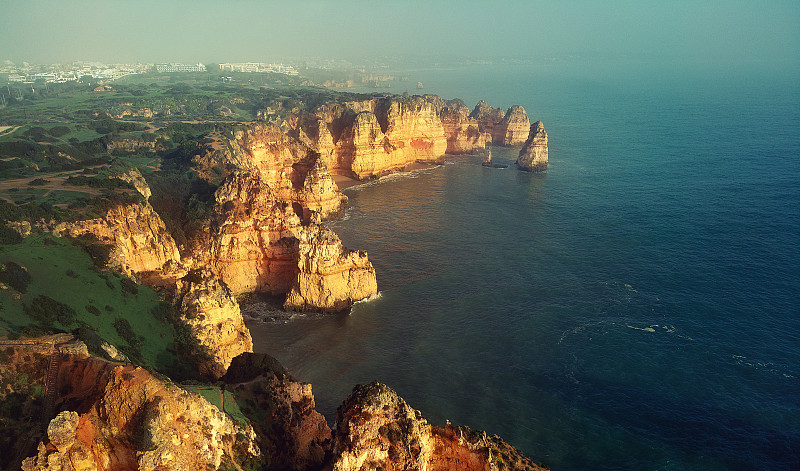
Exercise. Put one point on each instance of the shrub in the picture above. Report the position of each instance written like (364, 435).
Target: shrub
(125, 331)
(15, 276)
(129, 286)
(38, 182)
(46, 310)
(58, 131)
(9, 236)
(90, 337)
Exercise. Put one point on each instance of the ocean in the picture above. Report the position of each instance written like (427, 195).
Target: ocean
(637, 306)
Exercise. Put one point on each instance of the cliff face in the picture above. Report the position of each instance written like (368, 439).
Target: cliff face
(140, 422)
(258, 244)
(534, 154)
(212, 313)
(292, 434)
(463, 132)
(514, 127)
(293, 171)
(140, 243)
(330, 277)
(378, 429)
(250, 244)
(113, 416)
(506, 129)
(367, 139)
(489, 119)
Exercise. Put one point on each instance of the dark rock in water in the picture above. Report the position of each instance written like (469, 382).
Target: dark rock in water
(493, 165)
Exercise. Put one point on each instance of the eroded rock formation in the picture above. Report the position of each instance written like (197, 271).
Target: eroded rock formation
(207, 306)
(292, 434)
(112, 416)
(140, 422)
(463, 132)
(514, 127)
(259, 244)
(140, 243)
(387, 135)
(116, 416)
(293, 171)
(250, 244)
(375, 428)
(330, 277)
(534, 154)
(506, 129)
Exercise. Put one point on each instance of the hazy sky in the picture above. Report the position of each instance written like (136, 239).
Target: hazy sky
(250, 30)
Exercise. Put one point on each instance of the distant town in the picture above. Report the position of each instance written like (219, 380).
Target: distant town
(75, 71)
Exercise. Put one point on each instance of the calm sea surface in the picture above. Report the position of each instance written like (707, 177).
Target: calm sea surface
(635, 307)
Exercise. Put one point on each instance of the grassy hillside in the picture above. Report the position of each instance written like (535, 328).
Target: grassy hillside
(49, 285)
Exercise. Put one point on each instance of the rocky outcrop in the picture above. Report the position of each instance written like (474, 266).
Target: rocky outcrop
(330, 277)
(107, 415)
(117, 416)
(135, 178)
(259, 244)
(376, 429)
(250, 244)
(212, 313)
(391, 134)
(370, 138)
(140, 243)
(513, 128)
(463, 132)
(534, 154)
(293, 171)
(506, 129)
(140, 422)
(292, 434)
(489, 119)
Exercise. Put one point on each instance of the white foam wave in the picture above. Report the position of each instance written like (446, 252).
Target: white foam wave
(374, 297)
(767, 366)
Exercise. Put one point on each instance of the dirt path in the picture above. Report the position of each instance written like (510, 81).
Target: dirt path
(56, 182)
(8, 129)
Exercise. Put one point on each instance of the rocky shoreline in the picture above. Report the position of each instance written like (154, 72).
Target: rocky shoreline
(261, 232)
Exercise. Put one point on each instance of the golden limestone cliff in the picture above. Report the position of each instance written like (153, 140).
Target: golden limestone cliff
(140, 243)
(207, 306)
(250, 244)
(330, 277)
(293, 171)
(506, 129)
(116, 416)
(370, 138)
(514, 127)
(464, 135)
(534, 153)
(377, 429)
(259, 244)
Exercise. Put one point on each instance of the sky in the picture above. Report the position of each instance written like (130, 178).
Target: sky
(738, 31)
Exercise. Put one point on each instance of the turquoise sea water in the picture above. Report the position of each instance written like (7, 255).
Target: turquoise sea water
(635, 307)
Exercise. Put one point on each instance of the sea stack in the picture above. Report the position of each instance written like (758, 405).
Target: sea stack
(533, 156)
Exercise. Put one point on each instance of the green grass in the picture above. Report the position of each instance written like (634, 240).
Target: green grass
(65, 273)
(212, 395)
(65, 197)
